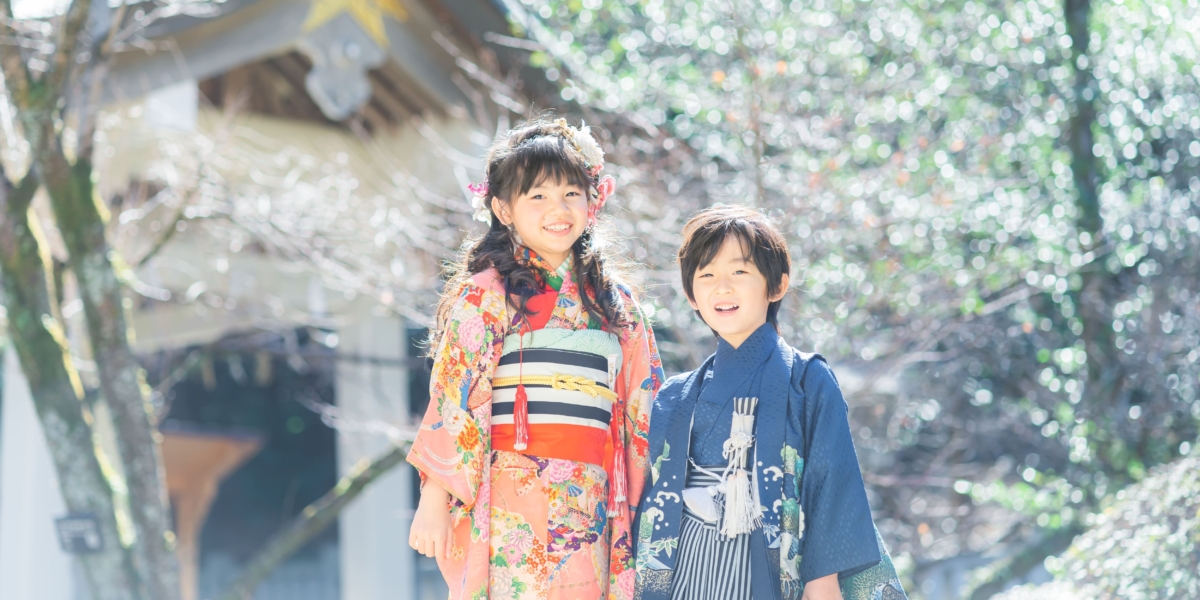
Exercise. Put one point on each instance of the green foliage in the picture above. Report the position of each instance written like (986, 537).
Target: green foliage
(1142, 545)
(916, 154)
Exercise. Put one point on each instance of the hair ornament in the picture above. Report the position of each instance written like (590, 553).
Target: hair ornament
(479, 198)
(589, 150)
(604, 188)
(586, 145)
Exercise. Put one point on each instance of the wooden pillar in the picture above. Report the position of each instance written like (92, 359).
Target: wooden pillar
(196, 461)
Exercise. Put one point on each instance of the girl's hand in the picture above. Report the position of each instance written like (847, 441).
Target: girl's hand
(825, 588)
(431, 533)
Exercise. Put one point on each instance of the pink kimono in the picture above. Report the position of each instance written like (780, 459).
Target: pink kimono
(527, 526)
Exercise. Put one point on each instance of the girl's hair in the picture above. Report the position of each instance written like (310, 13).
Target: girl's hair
(534, 151)
(761, 242)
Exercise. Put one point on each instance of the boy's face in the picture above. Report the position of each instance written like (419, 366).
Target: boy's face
(731, 293)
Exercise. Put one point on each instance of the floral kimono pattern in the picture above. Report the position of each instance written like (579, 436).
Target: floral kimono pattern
(526, 526)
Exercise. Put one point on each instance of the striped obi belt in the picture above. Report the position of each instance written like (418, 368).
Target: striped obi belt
(567, 381)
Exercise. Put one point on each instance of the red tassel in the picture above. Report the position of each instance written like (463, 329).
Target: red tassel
(521, 418)
(521, 405)
(617, 481)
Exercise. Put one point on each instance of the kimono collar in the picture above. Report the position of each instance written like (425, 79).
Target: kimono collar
(751, 353)
(551, 276)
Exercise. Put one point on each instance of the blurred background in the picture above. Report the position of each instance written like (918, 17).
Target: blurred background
(223, 225)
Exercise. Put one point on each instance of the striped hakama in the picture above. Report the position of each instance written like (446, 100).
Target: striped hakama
(709, 564)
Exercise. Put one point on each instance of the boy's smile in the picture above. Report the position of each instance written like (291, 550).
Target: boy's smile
(731, 293)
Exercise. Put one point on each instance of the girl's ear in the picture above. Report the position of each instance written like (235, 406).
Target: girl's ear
(783, 288)
(501, 210)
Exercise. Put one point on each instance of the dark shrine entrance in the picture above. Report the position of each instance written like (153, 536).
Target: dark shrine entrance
(251, 390)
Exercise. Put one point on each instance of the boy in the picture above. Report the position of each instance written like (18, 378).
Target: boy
(752, 461)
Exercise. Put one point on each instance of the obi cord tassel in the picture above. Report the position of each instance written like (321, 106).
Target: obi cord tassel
(742, 511)
(616, 428)
(521, 405)
(617, 493)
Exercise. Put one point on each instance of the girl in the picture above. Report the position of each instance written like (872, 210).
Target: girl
(755, 489)
(534, 444)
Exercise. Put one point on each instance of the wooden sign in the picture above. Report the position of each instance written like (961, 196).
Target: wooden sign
(79, 533)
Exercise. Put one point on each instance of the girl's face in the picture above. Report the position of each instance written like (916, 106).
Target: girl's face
(731, 294)
(548, 218)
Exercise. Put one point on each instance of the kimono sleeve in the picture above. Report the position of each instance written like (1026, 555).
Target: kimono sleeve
(454, 437)
(839, 535)
(641, 377)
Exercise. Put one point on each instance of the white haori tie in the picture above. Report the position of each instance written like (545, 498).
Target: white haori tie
(734, 500)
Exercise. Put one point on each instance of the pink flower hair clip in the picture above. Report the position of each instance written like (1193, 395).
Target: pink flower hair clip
(479, 198)
(604, 188)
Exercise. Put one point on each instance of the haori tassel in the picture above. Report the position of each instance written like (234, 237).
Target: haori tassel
(742, 511)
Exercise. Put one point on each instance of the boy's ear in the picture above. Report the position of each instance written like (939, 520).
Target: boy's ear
(783, 288)
(693, 303)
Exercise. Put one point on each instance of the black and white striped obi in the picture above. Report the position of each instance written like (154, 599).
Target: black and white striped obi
(568, 377)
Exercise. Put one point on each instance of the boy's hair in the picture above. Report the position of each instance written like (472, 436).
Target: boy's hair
(761, 242)
(530, 153)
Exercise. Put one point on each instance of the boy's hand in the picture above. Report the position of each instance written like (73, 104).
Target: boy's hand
(431, 533)
(825, 588)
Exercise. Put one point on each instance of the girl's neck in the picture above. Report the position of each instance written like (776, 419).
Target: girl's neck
(552, 260)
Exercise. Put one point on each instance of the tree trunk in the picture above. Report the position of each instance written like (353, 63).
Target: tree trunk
(1104, 373)
(81, 218)
(38, 339)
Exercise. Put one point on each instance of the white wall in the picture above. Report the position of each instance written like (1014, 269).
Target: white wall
(377, 563)
(32, 566)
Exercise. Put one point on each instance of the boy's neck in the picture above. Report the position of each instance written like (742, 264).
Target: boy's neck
(736, 339)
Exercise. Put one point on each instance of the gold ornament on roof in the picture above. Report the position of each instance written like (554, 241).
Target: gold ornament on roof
(367, 13)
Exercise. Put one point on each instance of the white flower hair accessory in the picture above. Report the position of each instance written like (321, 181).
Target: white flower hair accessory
(479, 197)
(586, 145)
(593, 158)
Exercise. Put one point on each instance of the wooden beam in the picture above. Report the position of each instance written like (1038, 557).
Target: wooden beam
(374, 119)
(236, 93)
(402, 86)
(266, 95)
(293, 68)
(383, 94)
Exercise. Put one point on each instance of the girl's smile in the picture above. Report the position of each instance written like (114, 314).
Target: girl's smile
(548, 219)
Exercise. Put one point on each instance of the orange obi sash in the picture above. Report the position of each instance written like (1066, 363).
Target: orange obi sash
(568, 402)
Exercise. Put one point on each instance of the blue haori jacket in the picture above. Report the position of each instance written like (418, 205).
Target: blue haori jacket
(816, 520)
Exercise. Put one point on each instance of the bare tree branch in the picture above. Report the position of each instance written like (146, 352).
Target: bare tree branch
(70, 39)
(311, 521)
(16, 72)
